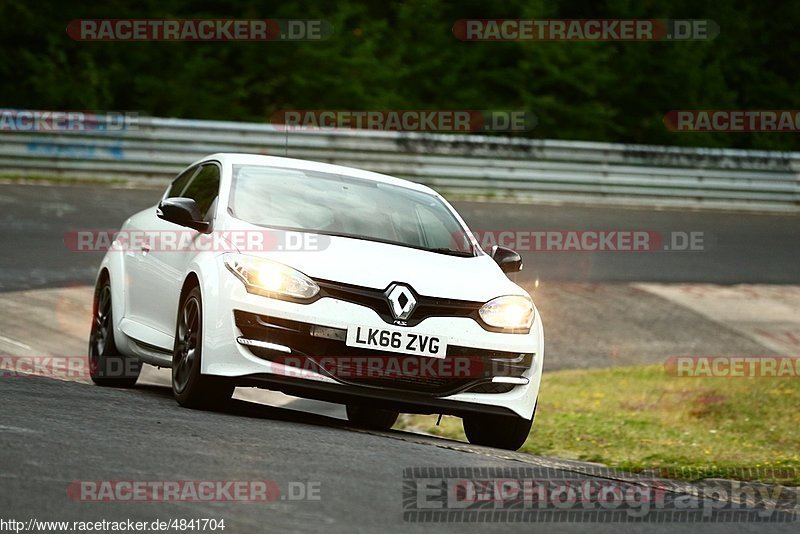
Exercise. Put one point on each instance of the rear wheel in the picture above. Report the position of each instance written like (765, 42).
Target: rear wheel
(107, 366)
(192, 389)
(371, 418)
(502, 432)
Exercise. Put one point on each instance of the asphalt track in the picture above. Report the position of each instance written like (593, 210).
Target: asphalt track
(53, 433)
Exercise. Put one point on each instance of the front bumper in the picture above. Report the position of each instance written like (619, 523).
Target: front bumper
(322, 350)
(300, 349)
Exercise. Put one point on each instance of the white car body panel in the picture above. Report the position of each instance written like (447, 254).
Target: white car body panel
(146, 287)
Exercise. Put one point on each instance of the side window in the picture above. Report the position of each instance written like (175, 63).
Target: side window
(204, 188)
(179, 183)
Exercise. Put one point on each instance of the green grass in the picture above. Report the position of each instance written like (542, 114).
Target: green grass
(640, 418)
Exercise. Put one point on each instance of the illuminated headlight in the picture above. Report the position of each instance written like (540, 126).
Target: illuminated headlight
(270, 278)
(512, 311)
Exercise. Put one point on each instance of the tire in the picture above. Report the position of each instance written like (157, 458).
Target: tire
(371, 418)
(107, 366)
(190, 388)
(502, 432)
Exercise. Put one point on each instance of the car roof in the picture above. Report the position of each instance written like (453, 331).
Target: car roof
(229, 158)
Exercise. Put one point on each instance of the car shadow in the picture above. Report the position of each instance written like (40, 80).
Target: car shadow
(255, 410)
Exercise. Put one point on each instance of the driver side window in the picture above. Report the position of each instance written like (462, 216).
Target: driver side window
(204, 188)
(179, 183)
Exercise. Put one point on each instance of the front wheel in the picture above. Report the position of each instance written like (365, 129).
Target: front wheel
(107, 366)
(192, 389)
(503, 432)
(371, 418)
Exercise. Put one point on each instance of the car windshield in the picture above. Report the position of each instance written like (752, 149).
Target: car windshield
(334, 204)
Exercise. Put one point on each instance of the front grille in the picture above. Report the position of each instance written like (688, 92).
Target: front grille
(375, 299)
(462, 367)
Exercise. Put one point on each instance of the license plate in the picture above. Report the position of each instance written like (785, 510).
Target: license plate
(400, 341)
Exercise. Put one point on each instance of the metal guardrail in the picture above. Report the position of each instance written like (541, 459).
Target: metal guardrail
(530, 169)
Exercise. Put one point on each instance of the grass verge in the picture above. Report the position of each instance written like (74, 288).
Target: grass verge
(641, 419)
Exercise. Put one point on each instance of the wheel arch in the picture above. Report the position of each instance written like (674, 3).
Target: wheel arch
(112, 268)
(207, 271)
(191, 281)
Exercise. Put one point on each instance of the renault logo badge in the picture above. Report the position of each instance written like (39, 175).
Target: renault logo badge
(401, 301)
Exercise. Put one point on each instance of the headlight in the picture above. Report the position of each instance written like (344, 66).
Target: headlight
(511, 311)
(270, 278)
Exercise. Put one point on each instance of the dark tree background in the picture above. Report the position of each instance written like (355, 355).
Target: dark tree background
(403, 55)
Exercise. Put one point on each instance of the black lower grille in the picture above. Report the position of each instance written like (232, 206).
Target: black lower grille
(463, 368)
(491, 388)
(350, 371)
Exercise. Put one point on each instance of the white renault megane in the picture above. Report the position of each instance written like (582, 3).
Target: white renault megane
(324, 282)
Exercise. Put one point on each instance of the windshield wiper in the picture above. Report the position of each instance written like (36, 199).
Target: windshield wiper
(451, 252)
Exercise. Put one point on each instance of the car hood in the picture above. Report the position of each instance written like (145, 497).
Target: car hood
(376, 265)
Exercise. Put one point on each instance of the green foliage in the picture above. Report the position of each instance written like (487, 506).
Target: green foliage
(403, 55)
(740, 428)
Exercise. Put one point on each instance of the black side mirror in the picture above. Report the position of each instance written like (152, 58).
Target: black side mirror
(508, 260)
(182, 211)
